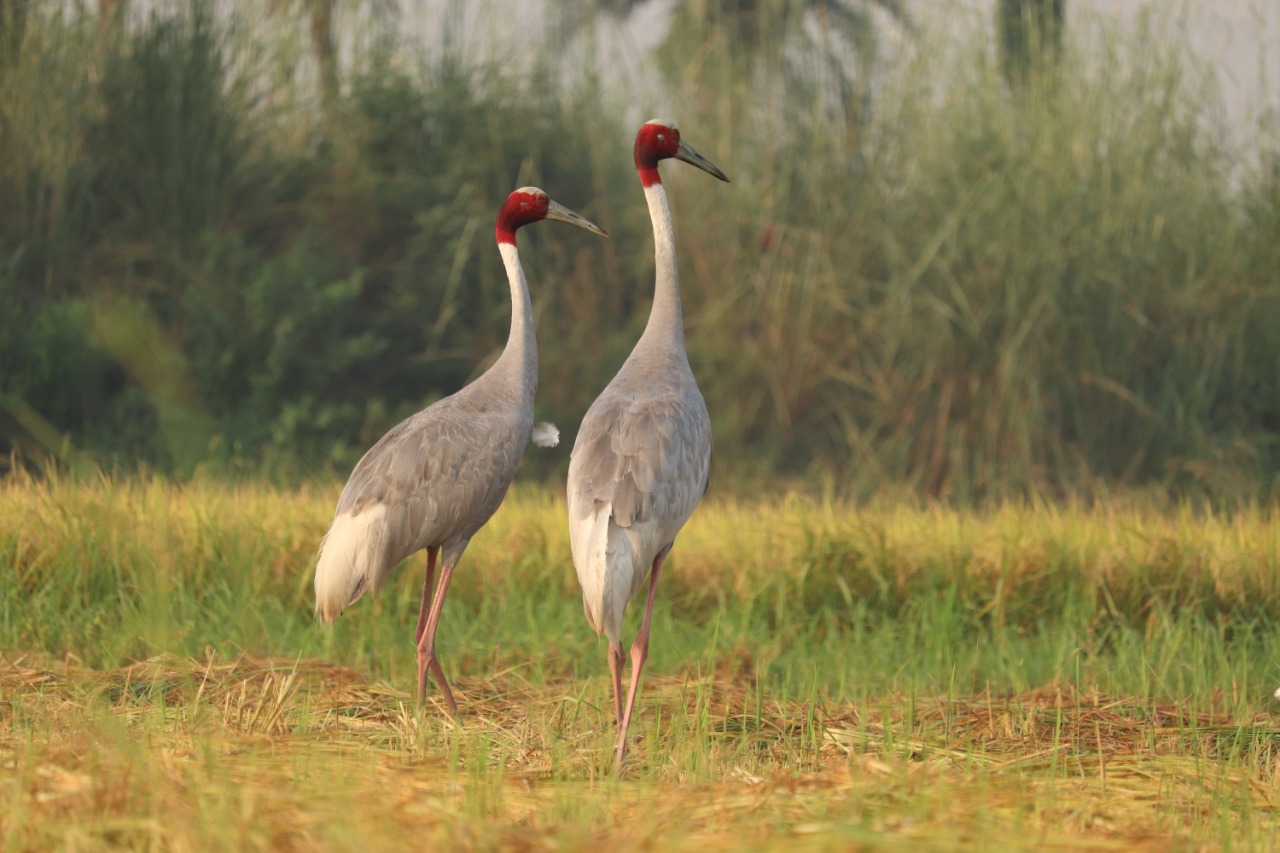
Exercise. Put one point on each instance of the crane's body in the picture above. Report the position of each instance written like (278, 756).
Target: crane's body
(642, 457)
(435, 478)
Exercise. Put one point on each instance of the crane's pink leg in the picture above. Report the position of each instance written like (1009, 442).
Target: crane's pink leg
(427, 645)
(432, 553)
(639, 654)
(615, 667)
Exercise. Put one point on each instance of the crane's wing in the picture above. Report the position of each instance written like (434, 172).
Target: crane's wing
(433, 479)
(647, 458)
(438, 474)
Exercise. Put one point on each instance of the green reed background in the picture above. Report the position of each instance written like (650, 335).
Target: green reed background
(922, 279)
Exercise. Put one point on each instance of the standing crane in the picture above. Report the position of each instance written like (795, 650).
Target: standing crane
(435, 478)
(643, 453)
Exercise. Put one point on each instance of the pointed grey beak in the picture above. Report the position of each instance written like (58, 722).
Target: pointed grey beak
(561, 213)
(687, 153)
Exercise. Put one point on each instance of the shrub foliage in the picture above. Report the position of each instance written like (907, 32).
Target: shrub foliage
(921, 277)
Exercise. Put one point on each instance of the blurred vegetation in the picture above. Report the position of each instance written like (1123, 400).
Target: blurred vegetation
(1030, 35)
(215, 257)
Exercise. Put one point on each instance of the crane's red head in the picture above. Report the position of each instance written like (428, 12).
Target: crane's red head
(659, 140)
(530, 204)
(525, 205)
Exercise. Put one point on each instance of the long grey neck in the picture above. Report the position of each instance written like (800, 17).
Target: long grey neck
(666, 322)
(518, 364)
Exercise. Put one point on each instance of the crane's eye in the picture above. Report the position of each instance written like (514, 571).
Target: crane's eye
(542, 199)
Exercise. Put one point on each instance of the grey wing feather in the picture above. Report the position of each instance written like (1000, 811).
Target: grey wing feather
(649, 458)
(438, 474)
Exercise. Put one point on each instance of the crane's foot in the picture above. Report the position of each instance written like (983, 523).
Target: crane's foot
(428, 660)
(620, 752)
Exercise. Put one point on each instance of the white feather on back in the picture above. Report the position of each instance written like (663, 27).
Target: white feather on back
(349, 557)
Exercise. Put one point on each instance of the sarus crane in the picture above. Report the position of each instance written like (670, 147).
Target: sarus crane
(642, 457)
(435, 478)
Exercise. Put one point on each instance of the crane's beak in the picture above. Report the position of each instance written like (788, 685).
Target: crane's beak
(687, 153)
(563, 214)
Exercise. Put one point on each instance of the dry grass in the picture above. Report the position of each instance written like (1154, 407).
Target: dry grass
(823, 676)
(254, 754)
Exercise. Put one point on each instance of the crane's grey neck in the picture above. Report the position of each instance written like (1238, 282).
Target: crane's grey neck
(519, 360)
(666, 322)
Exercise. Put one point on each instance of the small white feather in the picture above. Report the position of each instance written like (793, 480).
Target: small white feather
(546, 435)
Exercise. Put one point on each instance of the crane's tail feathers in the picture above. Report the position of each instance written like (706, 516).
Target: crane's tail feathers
(604, 557)
(350, 561)
(589, 539)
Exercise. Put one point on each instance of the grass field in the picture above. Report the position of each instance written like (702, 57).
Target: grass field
(821, 676)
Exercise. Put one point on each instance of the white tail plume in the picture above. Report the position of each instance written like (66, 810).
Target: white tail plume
(605, 557)
(350, 560)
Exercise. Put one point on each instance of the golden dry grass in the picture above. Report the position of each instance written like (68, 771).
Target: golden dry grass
(825, 676)
(299, 755)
